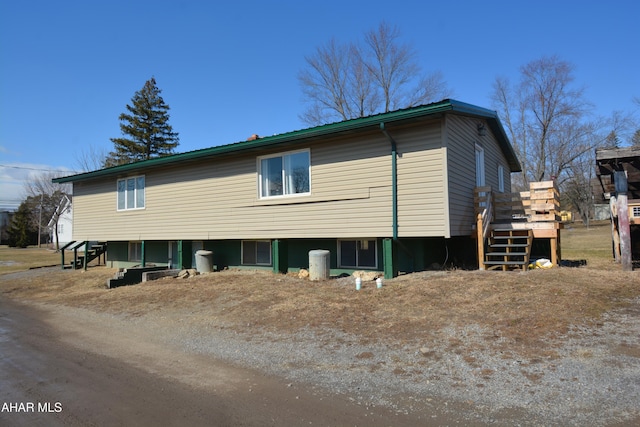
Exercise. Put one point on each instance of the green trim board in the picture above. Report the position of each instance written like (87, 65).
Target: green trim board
(318, 132)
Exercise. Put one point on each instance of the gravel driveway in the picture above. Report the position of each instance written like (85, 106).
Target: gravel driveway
(592, 378)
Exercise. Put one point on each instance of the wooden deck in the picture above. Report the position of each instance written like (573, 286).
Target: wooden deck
(537, 210)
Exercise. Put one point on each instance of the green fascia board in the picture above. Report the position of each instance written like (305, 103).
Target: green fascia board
(348, 126)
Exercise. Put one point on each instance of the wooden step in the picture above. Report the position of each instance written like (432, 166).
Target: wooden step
(506, 262)
(506, 253)
(508, 248)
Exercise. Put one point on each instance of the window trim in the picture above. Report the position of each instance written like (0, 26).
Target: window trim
(282, 155)
(256, 241)
(501, 178)
(375, 267)
(135, 193)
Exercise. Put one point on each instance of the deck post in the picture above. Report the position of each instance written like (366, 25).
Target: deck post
(554, 250)
(480, 236)
(620, 180)
(615, 237)
(143, 255)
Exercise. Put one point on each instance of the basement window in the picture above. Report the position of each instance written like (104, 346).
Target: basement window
(135, 251)
(284, 174)
(131, 193)
(256, 252)
(358, 253)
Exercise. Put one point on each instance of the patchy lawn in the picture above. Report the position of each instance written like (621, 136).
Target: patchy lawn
(520, 308)
(19, 259)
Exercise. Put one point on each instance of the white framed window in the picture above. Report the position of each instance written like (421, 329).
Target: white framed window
(135, 251)
(480, 181)
(501, 178)
(284, 174)
(635, 212)
(256, 252)
(361, 253)
(131, 193)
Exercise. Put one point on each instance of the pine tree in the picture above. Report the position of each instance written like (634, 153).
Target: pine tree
(146, 130)
(635, 139)
(21, 231)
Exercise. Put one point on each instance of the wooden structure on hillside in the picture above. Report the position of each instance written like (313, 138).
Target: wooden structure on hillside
(508, 223)
(618, 171)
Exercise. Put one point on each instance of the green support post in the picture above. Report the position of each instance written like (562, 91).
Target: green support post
(86, 255)
(279, 256)
(389, 255)
(143, 260)
(179, 260)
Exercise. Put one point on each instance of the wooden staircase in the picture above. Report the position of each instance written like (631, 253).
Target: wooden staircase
(96, 250)
(507, 224)
(508, 249)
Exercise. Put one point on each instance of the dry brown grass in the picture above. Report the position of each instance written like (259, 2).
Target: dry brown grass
(517, 309)
(15, 259)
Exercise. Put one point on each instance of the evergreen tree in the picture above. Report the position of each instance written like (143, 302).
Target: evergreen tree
(146, 130)
(635, 139)
(21, 231)
(612, 140)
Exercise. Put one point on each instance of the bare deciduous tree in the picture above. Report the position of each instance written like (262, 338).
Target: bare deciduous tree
(545, 117)
(44, 199)
(346, 81)
(91, 158)
(552, 130)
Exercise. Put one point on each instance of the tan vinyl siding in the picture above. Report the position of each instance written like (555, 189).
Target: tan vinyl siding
(462, 136)
(218, 199)
(350, 197)
(421, 182)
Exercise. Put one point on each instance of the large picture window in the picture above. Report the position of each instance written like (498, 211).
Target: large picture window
(256, 252)
(131, 193)
(358, 253)
(284, 174)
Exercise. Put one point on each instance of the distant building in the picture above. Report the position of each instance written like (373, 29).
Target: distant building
(64, 215)
(5, 222)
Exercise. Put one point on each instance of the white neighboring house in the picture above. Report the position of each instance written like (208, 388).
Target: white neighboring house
(64, 215)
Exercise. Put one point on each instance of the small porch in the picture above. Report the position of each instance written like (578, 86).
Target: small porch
(508, 223)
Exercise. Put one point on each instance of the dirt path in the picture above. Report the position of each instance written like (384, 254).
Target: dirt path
(76, 370)
(550, 347)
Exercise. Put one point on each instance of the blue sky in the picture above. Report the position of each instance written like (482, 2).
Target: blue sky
(229, 69)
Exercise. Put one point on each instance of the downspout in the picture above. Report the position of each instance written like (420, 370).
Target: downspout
(394, 193)
(394, 181)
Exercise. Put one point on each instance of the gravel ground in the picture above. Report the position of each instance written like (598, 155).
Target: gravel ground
(594, 378)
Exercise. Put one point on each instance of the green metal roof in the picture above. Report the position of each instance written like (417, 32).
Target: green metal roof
(354, 125)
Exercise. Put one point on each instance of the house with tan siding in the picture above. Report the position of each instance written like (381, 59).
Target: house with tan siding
(390, 192)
